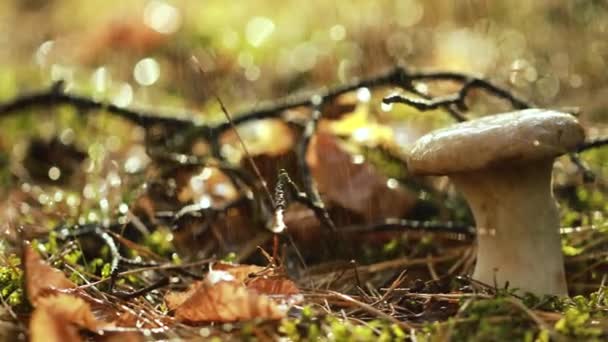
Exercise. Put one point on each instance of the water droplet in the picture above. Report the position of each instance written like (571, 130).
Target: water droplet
(89, 191)
(58, 197)
(124, 95)
(43, 51)
(44, 199)
(258, 30)
(205, 201)
(337, 32)
(361, 134)
(104, 204)
(54, 173)
(358, 159)
(123, 208)
(67, 136)
(93, 217)
(252, 73)
(100, 79)
(411, 11)
(303, 57)
(364, 95)
(146, 72)
(386, 107)
(392, 183)
(72, 200)
(162, 17)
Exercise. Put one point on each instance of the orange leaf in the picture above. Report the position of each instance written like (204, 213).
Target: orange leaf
(227, 302)
(274, 286)
(127, 336)
(241, 273)
(356, 186)
(58, 318)
(41, 277)
(175, 299)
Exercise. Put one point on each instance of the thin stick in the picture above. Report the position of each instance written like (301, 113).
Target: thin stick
(247, 154)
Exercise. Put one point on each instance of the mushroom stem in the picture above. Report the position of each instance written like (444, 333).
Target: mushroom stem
(518, 226)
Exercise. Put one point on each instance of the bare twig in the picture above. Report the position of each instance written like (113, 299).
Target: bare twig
(596, 143)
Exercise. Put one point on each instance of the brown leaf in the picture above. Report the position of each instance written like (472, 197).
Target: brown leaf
(344, 104)
(227, 302)
(126, 336)
(58, 317)
(275, 285)
(353, 185)
(174, 299)
(241, 273)
(40, 277)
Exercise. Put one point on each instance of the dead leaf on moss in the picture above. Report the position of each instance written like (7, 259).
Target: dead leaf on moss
(227, 301)
(58, 317)
(40, 277)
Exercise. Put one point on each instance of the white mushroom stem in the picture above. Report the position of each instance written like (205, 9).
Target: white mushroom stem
(518, 226)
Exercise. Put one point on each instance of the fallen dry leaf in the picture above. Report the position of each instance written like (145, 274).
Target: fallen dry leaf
(126, 336)
(241, 273)
(227, 301)
(40, 277)
(275, 285)
(58, 317)
(173, 299)
(354, 185)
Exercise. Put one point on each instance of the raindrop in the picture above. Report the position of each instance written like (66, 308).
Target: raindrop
(123, 208)
(386, 107)
(392, 183)
(43, 51)
(124, 96)
(104, 204)
(358, 159)
(364, 95)
(362, 134)
(252, 73)
(258, 30)
(146, 72)
(88, 192)
(92, 217)
(337, 32)
(72, 200)
(576, 81)
(162, 17)
(58, 197)
(67, 136)
(205, 202)
(54, 173)
(100, 79)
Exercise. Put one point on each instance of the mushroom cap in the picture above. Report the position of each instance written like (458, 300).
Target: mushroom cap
(491, 141)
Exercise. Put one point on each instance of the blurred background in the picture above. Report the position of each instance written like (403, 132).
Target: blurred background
(553, 53)
(174, 57)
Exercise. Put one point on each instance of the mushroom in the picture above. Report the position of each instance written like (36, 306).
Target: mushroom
(503, 164)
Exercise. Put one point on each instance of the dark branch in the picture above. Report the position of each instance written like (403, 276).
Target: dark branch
(470, 83)
(55, 97)
(162, 282)
(426, 104)
(395, 224)
(310, 188)
(596, 143)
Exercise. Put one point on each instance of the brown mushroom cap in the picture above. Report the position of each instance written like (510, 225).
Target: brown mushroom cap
(514, 137)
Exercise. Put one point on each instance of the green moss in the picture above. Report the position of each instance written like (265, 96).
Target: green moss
(11, 280)
(310, 327)
(160, 242)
